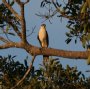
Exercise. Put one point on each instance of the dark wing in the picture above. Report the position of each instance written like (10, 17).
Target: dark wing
(39, 40)
(47, 38)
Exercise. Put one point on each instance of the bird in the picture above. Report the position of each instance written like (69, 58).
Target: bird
(43, 40)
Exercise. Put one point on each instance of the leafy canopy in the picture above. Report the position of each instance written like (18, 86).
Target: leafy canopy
(78, 14)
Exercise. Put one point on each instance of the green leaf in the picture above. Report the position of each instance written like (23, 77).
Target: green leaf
(88, 60)
(11, 34)
(75, 41)
(12, 3)
(68, 34)
(84, 8)
(83, 41)
(7, 28)
(85, 28)
(79, 73)
(83, 76)
(88, 2)
(68, 40)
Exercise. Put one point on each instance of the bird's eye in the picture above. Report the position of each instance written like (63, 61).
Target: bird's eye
(44, 25)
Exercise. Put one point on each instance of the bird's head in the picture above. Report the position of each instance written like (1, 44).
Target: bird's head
(43, 25)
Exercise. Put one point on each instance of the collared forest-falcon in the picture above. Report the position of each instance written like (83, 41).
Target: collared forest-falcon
(43, 40)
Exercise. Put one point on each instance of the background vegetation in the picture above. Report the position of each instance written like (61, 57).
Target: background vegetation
(50, 76)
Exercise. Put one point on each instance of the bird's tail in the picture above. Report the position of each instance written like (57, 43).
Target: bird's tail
(45, 59)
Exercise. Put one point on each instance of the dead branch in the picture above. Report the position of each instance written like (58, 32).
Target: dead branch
(29, 69)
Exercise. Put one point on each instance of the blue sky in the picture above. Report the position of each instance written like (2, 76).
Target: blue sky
(57, 37)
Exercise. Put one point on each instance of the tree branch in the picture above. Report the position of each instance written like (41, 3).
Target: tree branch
(10, 45)
(23, 24)
(29, 69)
(32, 31)
(12, 10)
(33, 50)
(21, 18)
(20, 3)
(3, 39)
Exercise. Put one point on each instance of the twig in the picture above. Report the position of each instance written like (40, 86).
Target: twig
(87, 71)
(3, 39)
(29, 69)
(32, 31)
(47, 17)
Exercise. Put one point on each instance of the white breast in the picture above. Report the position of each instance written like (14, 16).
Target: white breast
(42, 34)
(43, 37)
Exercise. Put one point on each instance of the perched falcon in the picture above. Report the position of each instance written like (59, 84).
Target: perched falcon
(43, 39)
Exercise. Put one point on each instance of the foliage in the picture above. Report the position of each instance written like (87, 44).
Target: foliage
(11, 71)
(7, 19)
(54, 76)
(78, 14)
(49, 76)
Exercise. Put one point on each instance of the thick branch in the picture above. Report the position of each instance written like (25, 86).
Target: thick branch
(12, 10)
(33, 50)
(57, 52)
